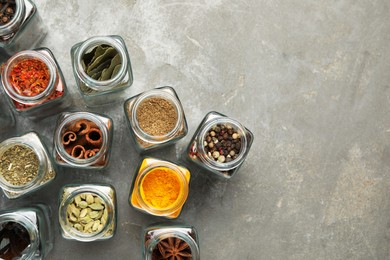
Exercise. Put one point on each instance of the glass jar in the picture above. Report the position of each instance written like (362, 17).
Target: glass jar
(165, 193)
(91, 131)
(76, 223)
(48, 101)
(7, 119)
(14, 187)
(98, 81)
(32, 229)
(182, 234)
(155, 118)
(24, 31)
(225, 158)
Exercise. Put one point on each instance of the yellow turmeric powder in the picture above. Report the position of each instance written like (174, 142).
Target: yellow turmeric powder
(160, 187)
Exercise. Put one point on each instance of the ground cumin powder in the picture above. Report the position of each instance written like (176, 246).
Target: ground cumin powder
(156, 116)
(160, 188)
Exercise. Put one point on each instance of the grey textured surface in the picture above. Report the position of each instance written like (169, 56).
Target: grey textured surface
(309, 78)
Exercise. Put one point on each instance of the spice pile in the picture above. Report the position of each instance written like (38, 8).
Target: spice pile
(87, 213)
(7, 11)
(156, 116)
(160, 188)
(82, 139)
(14, 238)
(172, 248)
(222, 143)
(19, 165)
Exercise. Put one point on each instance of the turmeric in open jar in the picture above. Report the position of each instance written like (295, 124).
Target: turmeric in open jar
(160, 188)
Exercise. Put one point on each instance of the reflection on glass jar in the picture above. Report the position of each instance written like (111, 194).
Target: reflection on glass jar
(87, 212)
(26, 233)
(34, 84)
(21, 27)
(220, 144)
(164, 241)
(102, 68)
(83, 140)
(155, 118)
(160, 188)
(25, 165)
(7, 119)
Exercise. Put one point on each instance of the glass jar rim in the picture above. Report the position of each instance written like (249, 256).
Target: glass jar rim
(60, 148)
(91, 43)
(15, 22)
(211, 162)
(30, 227)
(4, 146)
(173, 233)
(181, 199)
(16, 58)
(155, 139)
(74, 233)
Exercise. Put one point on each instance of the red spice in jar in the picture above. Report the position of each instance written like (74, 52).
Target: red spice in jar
(30, 77)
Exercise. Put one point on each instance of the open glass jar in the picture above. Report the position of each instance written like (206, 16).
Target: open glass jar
(164, 241)
(43, 96)
(220, 144)
(83, 140)
(87, 212)
(155, 118)
(26, 233)
(25, 165)
(102, 68)
(23, 28)
(160, 188)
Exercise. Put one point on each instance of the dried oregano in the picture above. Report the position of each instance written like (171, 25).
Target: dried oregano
(19, 165)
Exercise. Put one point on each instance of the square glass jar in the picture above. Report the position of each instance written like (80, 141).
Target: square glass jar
(97, 83)
(24, 31)
(87, 212)
(160, 188)
(223, 159)
(93, 132)
(156, 118)
(30, 143)
(171, 238)
(47, 101)
(32, 227)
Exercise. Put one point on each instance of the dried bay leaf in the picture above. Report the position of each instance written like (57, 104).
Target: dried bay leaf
(108, 55)
(100, 68)
(116, 70)
(108, 72)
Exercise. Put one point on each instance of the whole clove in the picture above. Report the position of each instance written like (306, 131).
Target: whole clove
(7, 11)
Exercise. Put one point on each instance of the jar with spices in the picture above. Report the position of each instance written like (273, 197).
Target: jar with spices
(7, 119)
(87, 212)
(83, 140)
(155, 118)
(26, 233)
(220, 144)
(25, 165)
(164, 241)
(102, 68)
(21, 26)
(34, 84)
(160, 188)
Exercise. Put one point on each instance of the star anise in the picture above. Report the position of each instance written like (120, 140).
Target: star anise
(172, 248)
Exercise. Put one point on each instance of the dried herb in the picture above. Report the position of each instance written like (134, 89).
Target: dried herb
(7, 11)
(156, 116)
(14, 239)
(172, 248)
(19, 165)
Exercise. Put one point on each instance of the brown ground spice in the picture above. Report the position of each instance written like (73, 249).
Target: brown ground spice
(156, 116)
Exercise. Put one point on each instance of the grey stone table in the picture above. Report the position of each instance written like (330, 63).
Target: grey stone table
(309, 78)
